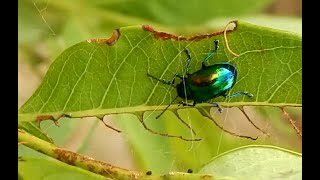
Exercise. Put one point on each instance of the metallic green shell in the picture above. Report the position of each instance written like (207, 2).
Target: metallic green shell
(209, 82)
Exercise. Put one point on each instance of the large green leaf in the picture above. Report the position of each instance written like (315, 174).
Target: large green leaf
(92, 79)
(256, 162)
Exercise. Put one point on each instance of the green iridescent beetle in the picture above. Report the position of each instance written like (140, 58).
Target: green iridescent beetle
(207, 83)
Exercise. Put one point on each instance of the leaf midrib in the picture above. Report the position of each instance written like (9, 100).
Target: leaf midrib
(143, 108)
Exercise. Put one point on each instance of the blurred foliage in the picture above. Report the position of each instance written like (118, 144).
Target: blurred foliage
(46, 28)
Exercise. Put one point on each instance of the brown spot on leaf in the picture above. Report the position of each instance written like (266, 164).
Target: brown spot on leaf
(206, 177)
(92, 165)
(106, 171)
(44, 117)
(65, 156)
(166, 36)
(110, 41)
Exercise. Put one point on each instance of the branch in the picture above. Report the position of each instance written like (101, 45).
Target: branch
(93, 165)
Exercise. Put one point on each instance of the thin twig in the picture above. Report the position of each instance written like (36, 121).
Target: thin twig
(225, 37)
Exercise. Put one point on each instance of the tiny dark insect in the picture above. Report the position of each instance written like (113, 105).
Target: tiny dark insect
(189, 171)
(205, 84)
(149, 173)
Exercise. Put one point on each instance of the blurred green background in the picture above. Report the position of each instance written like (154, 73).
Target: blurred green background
(46, 28)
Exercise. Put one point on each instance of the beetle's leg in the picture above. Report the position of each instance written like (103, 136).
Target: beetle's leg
(189, 60)
(238, 94)
(167, 107)
(216, 105)
(186, 124)
(216, 42)
(168, 83)
(186, 104)
(179, 76)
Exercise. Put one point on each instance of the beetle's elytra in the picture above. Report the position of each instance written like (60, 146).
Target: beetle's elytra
(208, 83)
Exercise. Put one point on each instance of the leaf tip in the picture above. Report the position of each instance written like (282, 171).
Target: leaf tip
(110, 41)
(147, 27)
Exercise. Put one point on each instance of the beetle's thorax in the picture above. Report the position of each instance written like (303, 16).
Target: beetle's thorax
(183, 90)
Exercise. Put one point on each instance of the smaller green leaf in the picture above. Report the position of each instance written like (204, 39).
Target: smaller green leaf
(33, 128)
(33, 168)
(256, 162)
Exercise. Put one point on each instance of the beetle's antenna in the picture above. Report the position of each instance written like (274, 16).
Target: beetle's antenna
(163, 81)
(186, 124)
(167, 107)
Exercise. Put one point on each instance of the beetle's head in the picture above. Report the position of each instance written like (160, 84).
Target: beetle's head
(183, 91)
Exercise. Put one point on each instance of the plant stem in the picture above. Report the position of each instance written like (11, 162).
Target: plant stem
(75, 159)
(93, 165)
